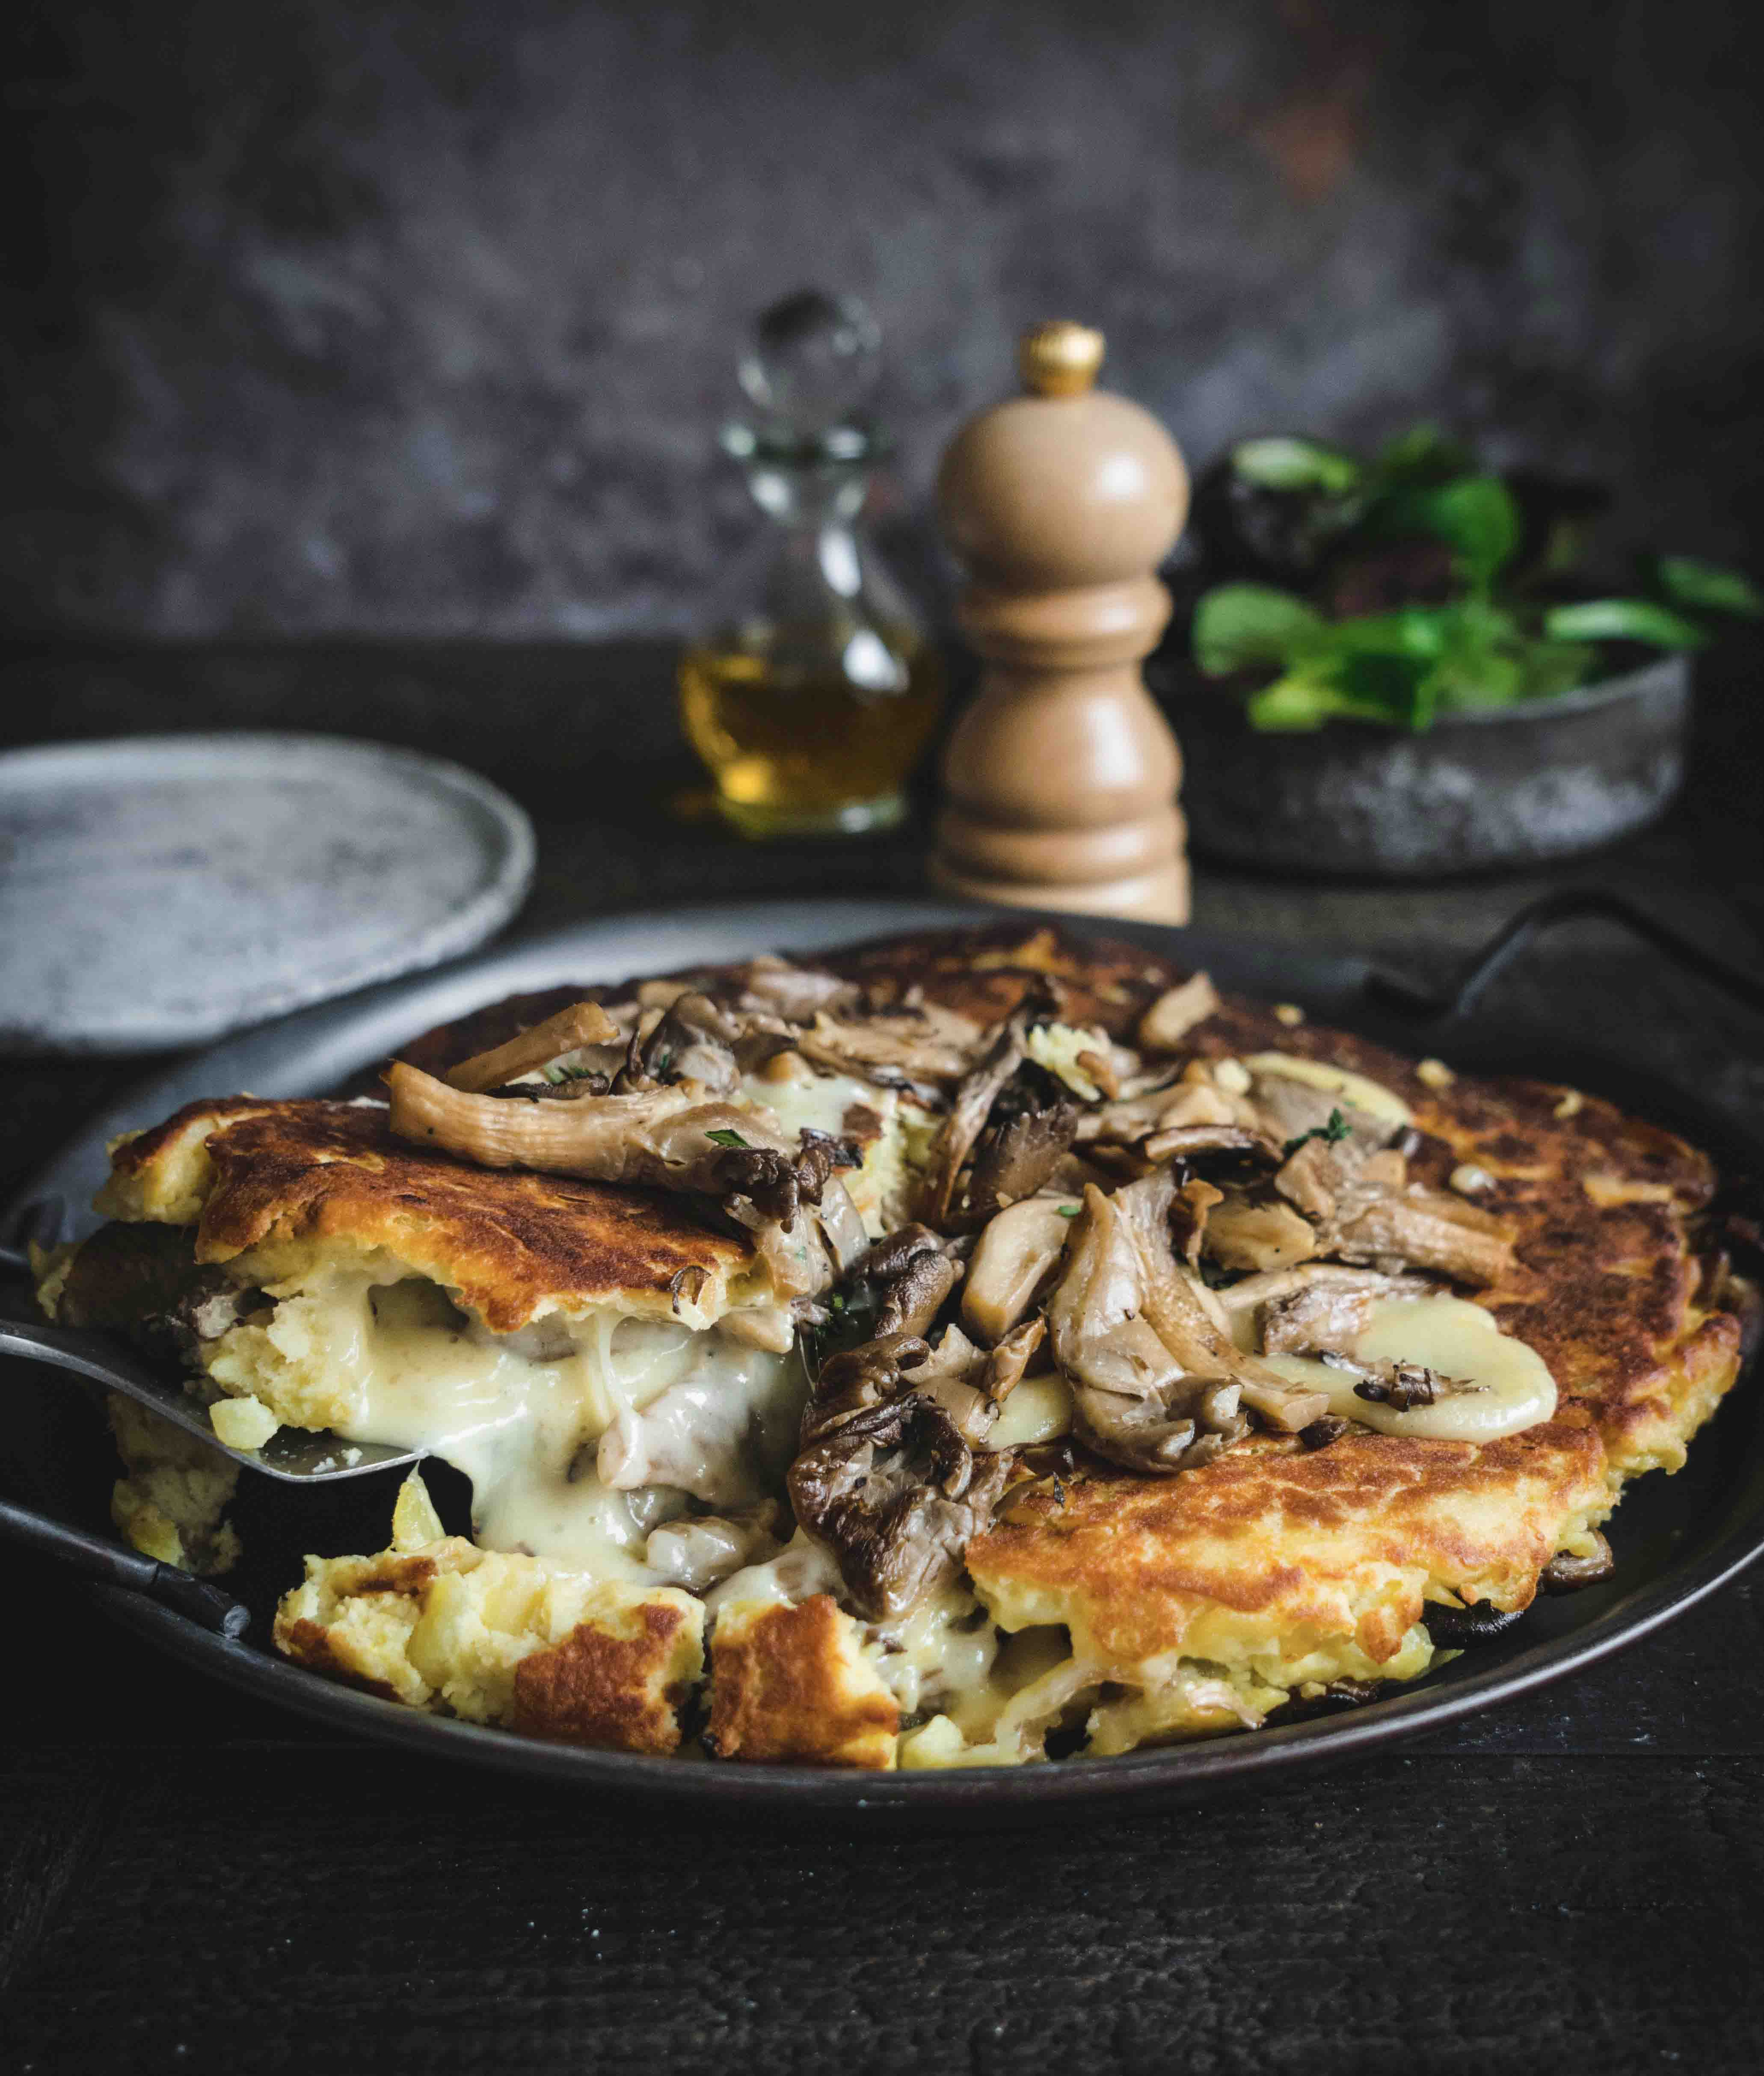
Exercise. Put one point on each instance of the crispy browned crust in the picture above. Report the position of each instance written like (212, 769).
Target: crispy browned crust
(596, 1688)
(1301, 1548)
(787, 1685)
(1605, 1289)
(987, 973)
(308, 1643)
(510, 1245)
(1096, 981)
(618, 1680)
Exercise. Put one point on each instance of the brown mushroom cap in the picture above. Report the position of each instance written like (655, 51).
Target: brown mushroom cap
(858, 1378)
(795, 993)
(1157, 1381)
(1566, 1574)
(918, 1046)
(1177, 1012)
(1020, 1147)
(968, 1115)
(695, 1040)
(912, 1273)
(897, 1495)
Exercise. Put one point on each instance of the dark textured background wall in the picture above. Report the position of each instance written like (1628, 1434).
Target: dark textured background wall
(417, 316)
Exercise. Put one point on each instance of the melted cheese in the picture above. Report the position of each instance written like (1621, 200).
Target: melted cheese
(940, 1656)
(580, 1436)
(1039, 1409)
(1001, 1716)
(524, 1416)
(1355, 1091)
(1454, 1339)
(881, 1188)
(800, 1570)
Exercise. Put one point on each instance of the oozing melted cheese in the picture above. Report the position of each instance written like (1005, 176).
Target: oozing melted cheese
(1039, 1409)
(1372, 1097)
(580, 1436)
(525, 1416)
(940, 1656)
(882, 1187)
(1455, 1339)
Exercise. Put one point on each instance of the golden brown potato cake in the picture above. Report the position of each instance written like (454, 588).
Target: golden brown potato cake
(279, 1180)
(791, 1684)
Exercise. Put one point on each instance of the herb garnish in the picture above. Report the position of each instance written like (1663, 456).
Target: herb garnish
(1332, 1134)
(725, 1137)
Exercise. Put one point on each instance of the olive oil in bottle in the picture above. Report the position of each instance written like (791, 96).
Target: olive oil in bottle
(814, 691)
(798, 746)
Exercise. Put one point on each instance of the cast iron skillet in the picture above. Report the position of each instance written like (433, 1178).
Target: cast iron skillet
(1676, 1539)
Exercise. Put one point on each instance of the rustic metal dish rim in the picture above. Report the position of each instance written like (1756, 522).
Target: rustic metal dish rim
(317, 1047)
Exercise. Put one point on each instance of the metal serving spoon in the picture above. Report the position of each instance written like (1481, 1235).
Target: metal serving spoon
(293, 1454)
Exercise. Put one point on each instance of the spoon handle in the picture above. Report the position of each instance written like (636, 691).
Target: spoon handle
(98, 1559)
(87, 1355)
(294, 1456)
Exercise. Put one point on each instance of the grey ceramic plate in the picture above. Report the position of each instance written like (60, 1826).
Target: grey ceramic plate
(157, 891)
(1677, 1539)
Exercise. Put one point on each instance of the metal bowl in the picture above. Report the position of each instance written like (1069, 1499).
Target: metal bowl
(1507, 785)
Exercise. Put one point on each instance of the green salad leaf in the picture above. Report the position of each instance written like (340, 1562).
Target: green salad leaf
(1467, 630)
(1623, 619)
(1475, 516)
(1291, 463)
(1708, 587)
(1422, 456)
(1551, 667)
(1306, 699)
(1406, 667)
(1242, 626)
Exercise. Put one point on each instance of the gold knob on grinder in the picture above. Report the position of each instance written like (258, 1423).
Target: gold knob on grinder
(1059, 358)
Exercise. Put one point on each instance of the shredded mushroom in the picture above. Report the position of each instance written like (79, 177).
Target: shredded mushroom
(660, 1138)
(1177, 1012)
(1136, 1399)
(967, 1117)
(886, 1478)
(582, 1023)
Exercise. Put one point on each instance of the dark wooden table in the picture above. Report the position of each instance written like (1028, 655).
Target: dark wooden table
(191, 1882)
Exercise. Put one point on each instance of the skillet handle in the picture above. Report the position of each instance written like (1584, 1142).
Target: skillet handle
(194, 1598)
(1421, 1003)
(94, 1555)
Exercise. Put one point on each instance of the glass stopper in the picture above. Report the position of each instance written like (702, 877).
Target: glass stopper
(810, 367)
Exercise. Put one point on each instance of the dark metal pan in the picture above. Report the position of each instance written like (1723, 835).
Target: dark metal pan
(1677, 1539)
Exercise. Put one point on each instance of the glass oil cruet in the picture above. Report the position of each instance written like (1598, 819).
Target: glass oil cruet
(814, 689)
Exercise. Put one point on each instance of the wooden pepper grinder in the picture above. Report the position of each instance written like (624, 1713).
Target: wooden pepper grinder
(1061, 776)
